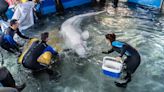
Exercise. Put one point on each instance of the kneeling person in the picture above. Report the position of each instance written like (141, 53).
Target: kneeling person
(38, 56)
(7, 41)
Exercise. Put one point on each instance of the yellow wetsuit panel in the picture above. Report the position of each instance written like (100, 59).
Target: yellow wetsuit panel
(45, 58)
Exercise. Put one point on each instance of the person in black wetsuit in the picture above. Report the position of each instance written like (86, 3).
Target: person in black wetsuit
(115, 3)
(59, 7)
(36, 49)
(3, 9)
(101, 3)
(6, 40)
(7, 80)
(132, 60)
(30, 59)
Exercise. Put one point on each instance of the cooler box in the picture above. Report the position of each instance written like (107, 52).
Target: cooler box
(111, 67)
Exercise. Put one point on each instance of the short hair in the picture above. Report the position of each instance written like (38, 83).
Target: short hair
(13, 22)
(44, 36)
(111, 37)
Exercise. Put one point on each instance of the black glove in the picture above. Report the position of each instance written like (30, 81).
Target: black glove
(105, 52)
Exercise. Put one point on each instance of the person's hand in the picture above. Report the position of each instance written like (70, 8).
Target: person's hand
(19, 45)
(105, 52)
(118, 59)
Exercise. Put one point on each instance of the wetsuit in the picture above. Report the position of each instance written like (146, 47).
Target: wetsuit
(59, 6)
(7, 41)
(133, 58)
(6, 78)
(115, 3)
(3, 9)
(36, 49)
(102, 2)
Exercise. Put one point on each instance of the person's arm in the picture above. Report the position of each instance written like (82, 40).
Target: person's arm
(49, 48)
(123, 50)
(108, 52)
(21, 35)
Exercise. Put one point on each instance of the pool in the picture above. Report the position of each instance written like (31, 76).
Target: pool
(141, 28)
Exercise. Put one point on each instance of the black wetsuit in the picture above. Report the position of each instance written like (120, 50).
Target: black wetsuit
(30, 58)
(59, 6)
(102, 2)
(35, 50)
(11, 32)
(7, 41)
(3, 9)
(6, 78)
(115, 3)
(133, 58)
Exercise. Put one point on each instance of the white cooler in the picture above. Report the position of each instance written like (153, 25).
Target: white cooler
(111, 67)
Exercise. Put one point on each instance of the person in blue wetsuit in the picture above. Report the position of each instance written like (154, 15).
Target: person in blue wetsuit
(30, 59)
(7, 42)
(132, 60)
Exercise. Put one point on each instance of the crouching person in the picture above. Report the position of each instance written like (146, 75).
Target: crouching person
(37, 56)
(7, 41)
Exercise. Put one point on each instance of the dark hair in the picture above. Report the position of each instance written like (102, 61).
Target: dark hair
(111, 37)
(13, 21)
(44, 36)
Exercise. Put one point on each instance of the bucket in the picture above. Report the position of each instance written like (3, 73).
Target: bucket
(111, 67)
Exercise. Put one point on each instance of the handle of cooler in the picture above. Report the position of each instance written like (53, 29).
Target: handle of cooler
(111, 58)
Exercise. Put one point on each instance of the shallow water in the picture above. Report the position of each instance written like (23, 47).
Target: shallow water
(139, 27)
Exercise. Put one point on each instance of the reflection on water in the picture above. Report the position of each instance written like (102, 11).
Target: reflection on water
(140, 28)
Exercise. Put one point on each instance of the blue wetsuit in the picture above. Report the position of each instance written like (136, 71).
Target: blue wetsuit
(133, 58)
(8, 42)
(36, 49)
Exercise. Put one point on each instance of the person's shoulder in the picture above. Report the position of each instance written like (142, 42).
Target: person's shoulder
(118, 43)
(8, 29)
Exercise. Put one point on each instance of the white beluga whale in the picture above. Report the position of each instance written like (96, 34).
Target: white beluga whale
(73, 35)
